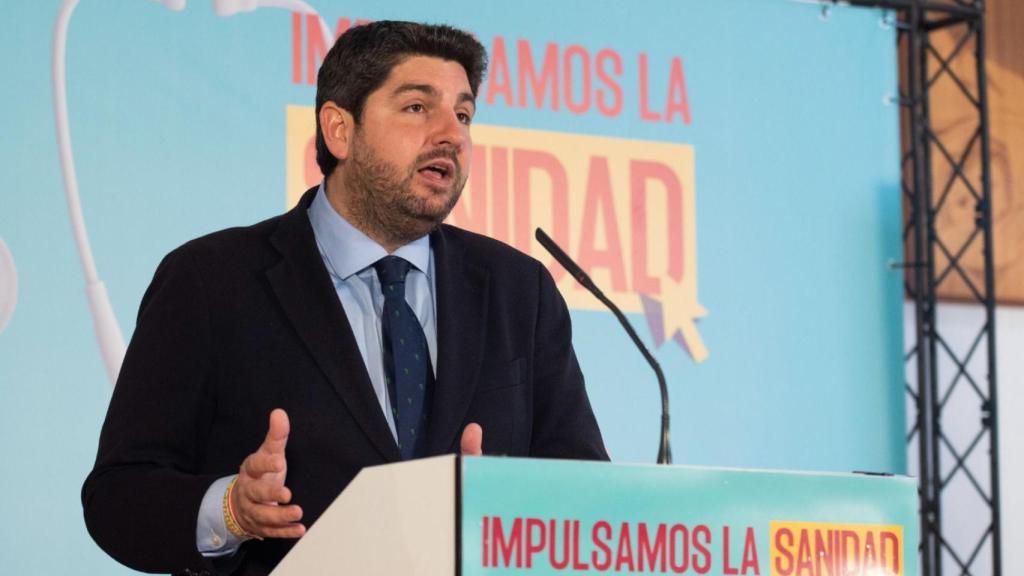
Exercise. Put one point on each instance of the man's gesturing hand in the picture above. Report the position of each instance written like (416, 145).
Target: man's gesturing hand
(260, 498)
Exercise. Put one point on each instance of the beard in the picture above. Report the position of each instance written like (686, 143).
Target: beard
(381, 199)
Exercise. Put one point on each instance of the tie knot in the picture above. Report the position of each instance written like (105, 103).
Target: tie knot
(391, 270)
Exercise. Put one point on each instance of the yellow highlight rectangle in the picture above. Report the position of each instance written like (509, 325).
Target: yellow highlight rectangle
(826, 549)
(578, 188)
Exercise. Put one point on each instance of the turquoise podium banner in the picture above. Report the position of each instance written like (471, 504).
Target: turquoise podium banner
(558, 517)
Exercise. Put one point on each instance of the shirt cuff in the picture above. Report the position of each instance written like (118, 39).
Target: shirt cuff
(213, 539)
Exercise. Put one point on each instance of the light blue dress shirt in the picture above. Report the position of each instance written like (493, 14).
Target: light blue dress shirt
(348, 255)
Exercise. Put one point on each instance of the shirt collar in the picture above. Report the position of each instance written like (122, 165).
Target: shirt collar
(347, 250)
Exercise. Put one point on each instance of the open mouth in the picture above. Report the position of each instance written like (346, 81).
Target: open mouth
(438, 171)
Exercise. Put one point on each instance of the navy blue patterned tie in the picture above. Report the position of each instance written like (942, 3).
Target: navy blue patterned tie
(407, 368)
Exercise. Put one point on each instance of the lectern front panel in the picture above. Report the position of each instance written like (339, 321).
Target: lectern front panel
(540, 517)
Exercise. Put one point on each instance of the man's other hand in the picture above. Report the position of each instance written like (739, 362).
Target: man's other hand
(472, 440)
(260, 498)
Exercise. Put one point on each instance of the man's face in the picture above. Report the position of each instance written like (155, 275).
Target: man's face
(410, 150)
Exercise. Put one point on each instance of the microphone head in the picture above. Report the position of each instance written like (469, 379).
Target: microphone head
(8, 286)
(562, 258)
(232, 7)
(176, 5)
(548, 243)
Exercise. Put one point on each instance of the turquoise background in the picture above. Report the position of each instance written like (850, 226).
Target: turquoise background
(551, 490)
(178, 127)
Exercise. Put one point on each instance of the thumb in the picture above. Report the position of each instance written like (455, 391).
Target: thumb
(277, 433)
(472, 440)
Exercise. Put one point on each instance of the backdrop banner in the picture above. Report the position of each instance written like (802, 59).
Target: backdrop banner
(728, 173)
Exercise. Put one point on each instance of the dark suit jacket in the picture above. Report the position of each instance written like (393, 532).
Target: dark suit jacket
(246, 320)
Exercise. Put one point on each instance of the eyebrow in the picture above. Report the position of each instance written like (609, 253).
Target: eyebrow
(431, 91)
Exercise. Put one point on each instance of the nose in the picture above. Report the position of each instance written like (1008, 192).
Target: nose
(450, 131)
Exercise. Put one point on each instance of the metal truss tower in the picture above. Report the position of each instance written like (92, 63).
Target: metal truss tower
(947, 376)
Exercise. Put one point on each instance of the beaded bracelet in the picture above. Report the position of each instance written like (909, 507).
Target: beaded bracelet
(229, 514)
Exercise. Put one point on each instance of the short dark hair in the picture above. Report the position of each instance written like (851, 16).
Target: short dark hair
(363, 57)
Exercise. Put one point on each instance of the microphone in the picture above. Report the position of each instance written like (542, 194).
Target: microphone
(664, 450)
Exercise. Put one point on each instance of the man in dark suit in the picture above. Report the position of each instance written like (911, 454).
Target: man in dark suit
(284, 319)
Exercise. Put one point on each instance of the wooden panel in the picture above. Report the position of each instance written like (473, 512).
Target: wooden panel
(954, 119)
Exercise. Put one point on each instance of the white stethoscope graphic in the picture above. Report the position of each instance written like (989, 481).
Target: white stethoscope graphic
(105, 325)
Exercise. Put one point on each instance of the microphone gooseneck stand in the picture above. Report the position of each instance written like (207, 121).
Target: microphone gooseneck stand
(664, 449)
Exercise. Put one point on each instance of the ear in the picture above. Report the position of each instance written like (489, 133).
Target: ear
(338, 127)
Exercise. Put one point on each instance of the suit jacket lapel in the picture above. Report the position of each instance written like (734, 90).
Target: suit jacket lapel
(304, 289)
(461, 321)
